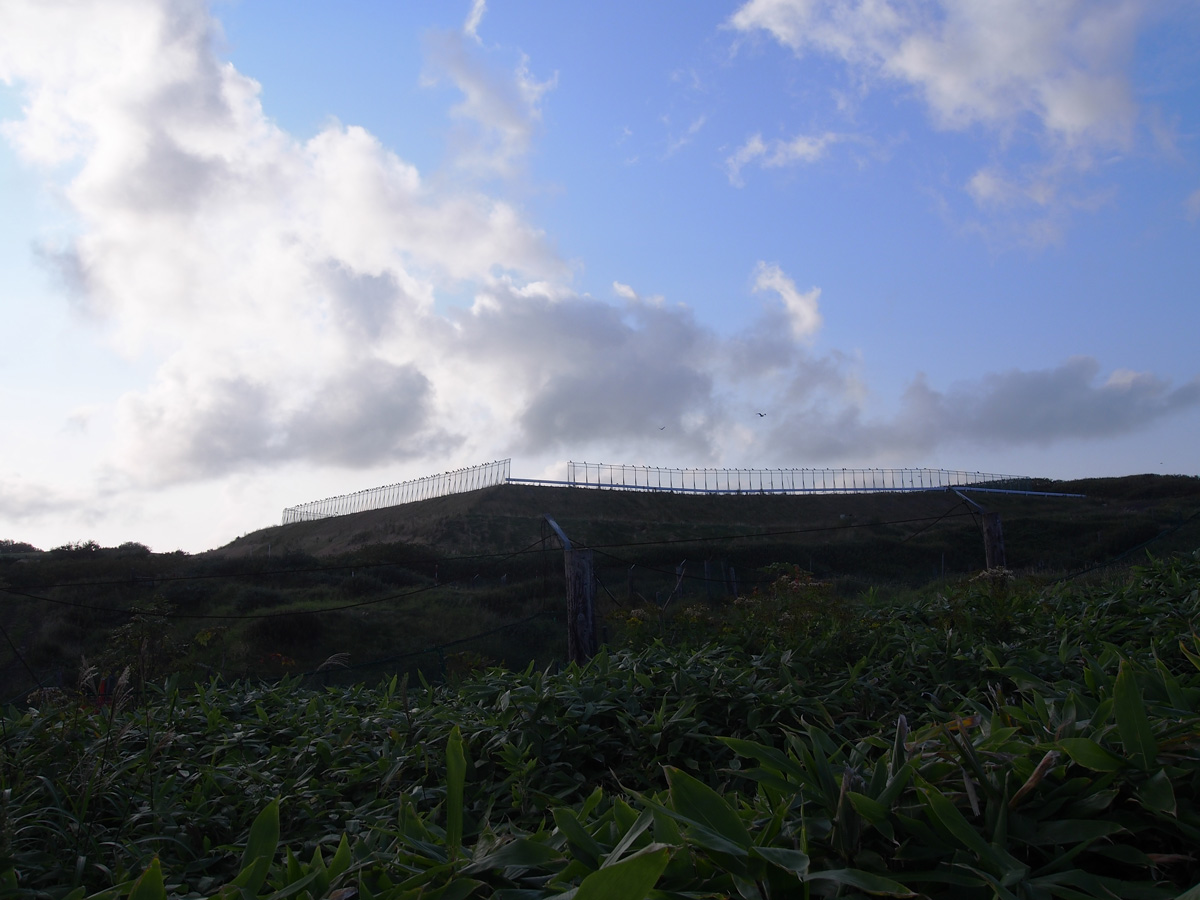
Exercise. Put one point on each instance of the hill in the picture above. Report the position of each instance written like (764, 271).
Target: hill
(1042, 532)
(465, 580)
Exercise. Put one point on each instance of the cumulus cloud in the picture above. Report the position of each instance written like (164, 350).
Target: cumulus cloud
(271, 274)
(1061, 65)
(803, 314)
(585, 372)
(367, 412)
(1043, 81)
(23, 501)
(292, 296)
(1041, 407)
(1015, 408)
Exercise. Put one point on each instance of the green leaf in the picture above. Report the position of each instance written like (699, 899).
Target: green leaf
(295, 887)
(1156, 793)
(520, 852)
(1091, 755)
(260, 849)
(150, 885)
(896, 785)
(699, 803)
(1067, 832)
(769, 757)
(1132, 723)
(792, 860)
(264, 835)
(666, 831)
(871, 810)
(635, 831)
(630, 879)
(945, 812)
(341, 859)
(294, 871)
(582, 844)
(899, 751)
(997, 860)
(456, 777)
(1195, 660)
(317, 866)
(458, 889)
(864, 881)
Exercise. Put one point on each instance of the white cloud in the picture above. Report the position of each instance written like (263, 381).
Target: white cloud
(1046, 83)
(675, 144)
(291, 296)
(499, 110)
(23, 500)
(624, 290)
(1062, 65)
(753, 149)
(803, 148)
(803, 314)
(267, 275)
(992, 186)
(474, 18)
(1007, 409)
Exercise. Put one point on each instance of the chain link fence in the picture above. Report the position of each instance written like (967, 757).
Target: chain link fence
(778, 481)
(458, 481)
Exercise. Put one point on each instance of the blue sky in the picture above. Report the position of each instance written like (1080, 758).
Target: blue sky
(257, 253)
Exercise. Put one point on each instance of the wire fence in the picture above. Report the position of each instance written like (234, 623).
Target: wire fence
(655, 478)
(458, 481)
(777, 481)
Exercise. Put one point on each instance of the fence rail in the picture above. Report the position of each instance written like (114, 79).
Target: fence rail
(778, 481)
(457, 481)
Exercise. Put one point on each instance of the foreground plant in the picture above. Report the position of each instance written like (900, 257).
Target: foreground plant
(1062, 762)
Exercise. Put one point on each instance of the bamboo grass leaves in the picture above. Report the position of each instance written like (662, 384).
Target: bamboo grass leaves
(832, 767)
(1133, 725)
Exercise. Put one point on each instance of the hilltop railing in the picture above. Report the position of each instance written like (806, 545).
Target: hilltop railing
(777, 481)
(458, 481)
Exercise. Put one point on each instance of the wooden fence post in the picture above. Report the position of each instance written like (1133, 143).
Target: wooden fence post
(581, 599)
(993, 541)
(993, 534)
(581, 606)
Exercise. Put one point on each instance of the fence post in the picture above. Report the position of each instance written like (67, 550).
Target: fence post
(993, 541)
(581, 599)
(581, 605)
(993, 534)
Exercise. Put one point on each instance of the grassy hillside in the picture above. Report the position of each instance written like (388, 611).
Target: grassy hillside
(497, 519)
(454, 583)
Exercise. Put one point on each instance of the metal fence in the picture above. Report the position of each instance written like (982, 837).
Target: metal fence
(655, 478)
(457, 481)
(777, 481)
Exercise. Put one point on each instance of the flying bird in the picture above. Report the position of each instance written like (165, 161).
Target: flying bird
(762, 415)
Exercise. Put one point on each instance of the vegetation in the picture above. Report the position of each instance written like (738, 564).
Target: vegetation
(408, 589)
(992, 737)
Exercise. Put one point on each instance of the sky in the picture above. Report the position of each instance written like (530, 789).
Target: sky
(257, 252)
